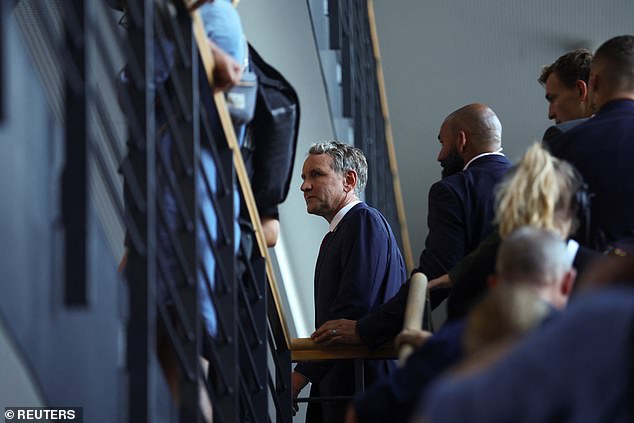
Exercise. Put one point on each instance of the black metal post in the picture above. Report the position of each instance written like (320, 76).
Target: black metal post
(75, 175)
(3, 26)
(255, 348)
(189, 130)
(141, 269)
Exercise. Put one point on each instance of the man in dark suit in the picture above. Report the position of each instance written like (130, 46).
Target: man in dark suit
(358, 268)
(461, 208)
(566, 85)
(603, 147)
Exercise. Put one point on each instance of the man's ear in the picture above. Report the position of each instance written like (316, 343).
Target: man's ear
(582, 90)
(492, 281)
(350, 180)
(461, 142)
(569, 282)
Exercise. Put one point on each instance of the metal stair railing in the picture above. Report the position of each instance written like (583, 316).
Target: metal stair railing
(263, 338)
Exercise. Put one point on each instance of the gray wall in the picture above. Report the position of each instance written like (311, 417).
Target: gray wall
(75, 355)
(437, 56)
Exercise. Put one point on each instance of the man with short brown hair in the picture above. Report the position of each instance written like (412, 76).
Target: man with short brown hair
(566, 84)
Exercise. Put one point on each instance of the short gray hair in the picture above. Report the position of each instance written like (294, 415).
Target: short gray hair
(532, 255)
(344, 158)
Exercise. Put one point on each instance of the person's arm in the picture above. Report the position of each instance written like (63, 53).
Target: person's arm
(270, 230)
(441, 282)
(337, 332)
(385, 323)
(298, 382)
(227, 72)
(414, 337)
(469, 277)
(445, 243)
(393, 398)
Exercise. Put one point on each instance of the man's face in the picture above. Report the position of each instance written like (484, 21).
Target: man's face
(564, 103)
(449, 157)
(323, 188)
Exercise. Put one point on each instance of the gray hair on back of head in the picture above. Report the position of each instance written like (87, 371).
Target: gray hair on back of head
(533, 255)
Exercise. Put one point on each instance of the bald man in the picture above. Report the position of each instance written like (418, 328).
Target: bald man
(602, 148)
(460, 212)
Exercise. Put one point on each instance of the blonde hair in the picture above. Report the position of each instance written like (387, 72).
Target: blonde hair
(536, 193)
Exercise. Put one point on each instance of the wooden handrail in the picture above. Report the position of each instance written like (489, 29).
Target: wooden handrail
(391, 153)
(305, 349)
(413, 311)
(241, 172)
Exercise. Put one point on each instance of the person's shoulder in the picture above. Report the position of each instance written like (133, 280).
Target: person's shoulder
(448, 185)
(491, 161)
(363, 210)
(363, 217)
(368, 212)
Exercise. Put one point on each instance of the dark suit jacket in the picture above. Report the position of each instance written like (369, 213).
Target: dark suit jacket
(358, 268)
(393, 398)
(556, 130)
(461, 209)
(469, 277)
(602, 149)
(577, 368)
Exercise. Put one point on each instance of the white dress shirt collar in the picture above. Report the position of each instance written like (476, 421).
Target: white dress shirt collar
(493, 153)
(340, 214)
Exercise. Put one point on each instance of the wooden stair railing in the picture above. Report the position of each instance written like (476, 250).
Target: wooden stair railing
(413, 311)
(241, 172)
(305, 349)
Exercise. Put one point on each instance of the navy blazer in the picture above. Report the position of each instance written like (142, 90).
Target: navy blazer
(461, 210)
(602, 149)
(577, 368)
(358, 268)
(556, 130)
(393, 398)
(460, 214)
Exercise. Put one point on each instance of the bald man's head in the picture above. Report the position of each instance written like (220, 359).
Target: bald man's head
(469, 131)
(539, 259)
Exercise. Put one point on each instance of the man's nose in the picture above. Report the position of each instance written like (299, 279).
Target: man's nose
(551, 113)
(304, 186)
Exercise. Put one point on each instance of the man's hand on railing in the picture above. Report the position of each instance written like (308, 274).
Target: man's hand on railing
(337, 332)
(298, 381)
(270, 230)
(440, 282)
(414, 337)
(351, 415)
(227, 72)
